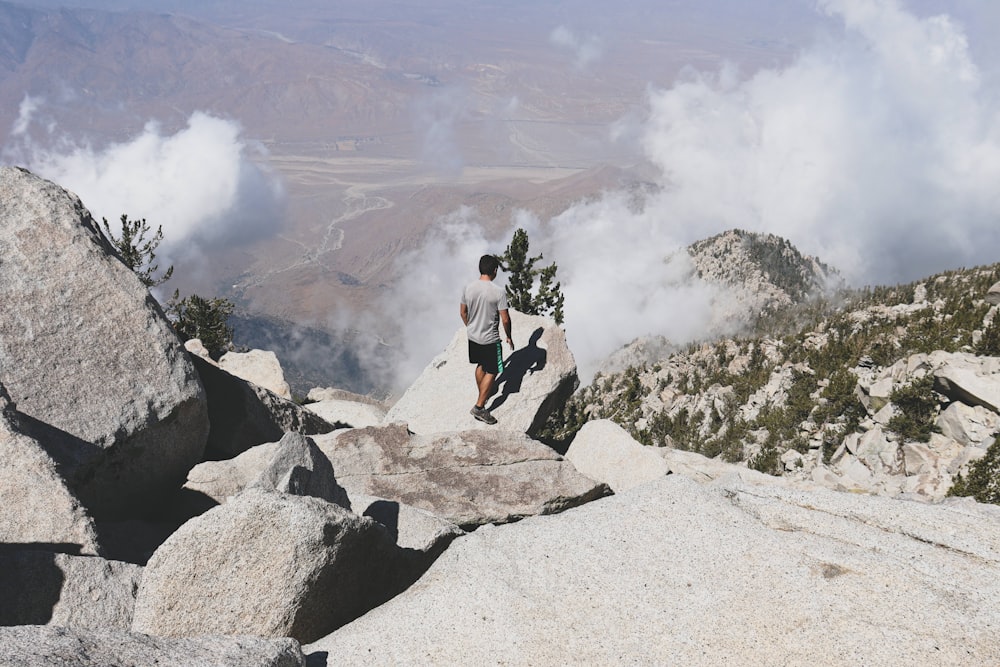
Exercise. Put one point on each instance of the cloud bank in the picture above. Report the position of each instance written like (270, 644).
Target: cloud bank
(877, 149)
(200, 183)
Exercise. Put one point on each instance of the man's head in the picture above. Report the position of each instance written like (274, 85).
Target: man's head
(488, 265)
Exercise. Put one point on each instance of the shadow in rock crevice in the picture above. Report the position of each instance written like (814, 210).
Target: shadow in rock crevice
(30, 581)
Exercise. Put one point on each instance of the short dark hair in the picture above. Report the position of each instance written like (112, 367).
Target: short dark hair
(488, 265)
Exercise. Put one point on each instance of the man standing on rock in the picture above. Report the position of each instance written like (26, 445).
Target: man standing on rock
(483, 308)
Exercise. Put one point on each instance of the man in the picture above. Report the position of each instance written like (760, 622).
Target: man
(483, 307)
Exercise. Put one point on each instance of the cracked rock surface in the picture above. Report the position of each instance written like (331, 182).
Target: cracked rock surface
(734, 571)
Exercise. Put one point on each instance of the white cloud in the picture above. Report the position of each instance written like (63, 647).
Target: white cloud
(877, 150)
(436, 119)
(26, 110)
(200, 183)
(586, 49)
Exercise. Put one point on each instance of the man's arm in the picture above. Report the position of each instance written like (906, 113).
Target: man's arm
(463, 310)
(505, 321)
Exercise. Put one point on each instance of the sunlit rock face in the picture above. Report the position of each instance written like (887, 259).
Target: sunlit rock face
(89, 355)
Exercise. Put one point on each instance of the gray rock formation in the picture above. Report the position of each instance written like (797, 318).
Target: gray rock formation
(217, 481)
(38, 508)
(261, 367)
(875, 460)
(299, 468)
(967, 378)
(89, 355)
(409, 527)
(468, 477)
(969, 426)
(872, 458)
(677, 573)
(46, 646)
(604, 451)
(695, 466)
(266, 564)
(78, 592)
(993, 294)
(244, 415)
(356, 415)
(338, 406)
(539, 376)
(293, 465)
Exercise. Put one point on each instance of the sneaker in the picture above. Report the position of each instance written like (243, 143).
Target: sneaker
(483, 415)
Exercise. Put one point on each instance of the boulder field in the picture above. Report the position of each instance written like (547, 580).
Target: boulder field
(161, 508)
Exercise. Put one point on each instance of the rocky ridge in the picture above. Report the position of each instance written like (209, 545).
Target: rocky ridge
(295, 539)
(886, 391)
(768, 271)
(755, 276)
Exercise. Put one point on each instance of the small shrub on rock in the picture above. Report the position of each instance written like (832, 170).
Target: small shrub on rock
(983, 480)
(205, 319)
(918, 407)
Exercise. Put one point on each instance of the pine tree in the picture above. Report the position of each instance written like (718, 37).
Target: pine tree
(137, 252)
(520, 267)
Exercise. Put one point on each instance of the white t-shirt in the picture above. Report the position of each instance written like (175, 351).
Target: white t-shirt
(485, 300)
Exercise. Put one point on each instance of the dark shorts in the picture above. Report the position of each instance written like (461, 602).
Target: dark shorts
(489, 356)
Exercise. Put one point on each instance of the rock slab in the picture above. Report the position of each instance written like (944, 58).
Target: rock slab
(470, 478)
(50, 646)
(244, 415)
(38, 507)
(260, 367)
(604, 451)
(678, 573)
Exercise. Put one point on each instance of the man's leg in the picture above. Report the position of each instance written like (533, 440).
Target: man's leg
(484, 381)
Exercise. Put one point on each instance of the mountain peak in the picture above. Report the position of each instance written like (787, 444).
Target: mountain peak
(767, 267)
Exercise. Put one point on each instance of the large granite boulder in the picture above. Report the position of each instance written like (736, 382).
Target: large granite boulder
(294, 465)
(79, 592)
(299, 467)
(214, 482)
(49, 646)
(993, 294)
(267, 564)
(539, 376)
(260, 367)
(604, 451)
(971, 426)
(967, 378)
(38, 508)
(88, 353)
(469, 478)
(244, 415)
(673, 572)
(351, 413)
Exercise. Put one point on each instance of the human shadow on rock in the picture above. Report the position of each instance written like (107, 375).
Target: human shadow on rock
(528, 359)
